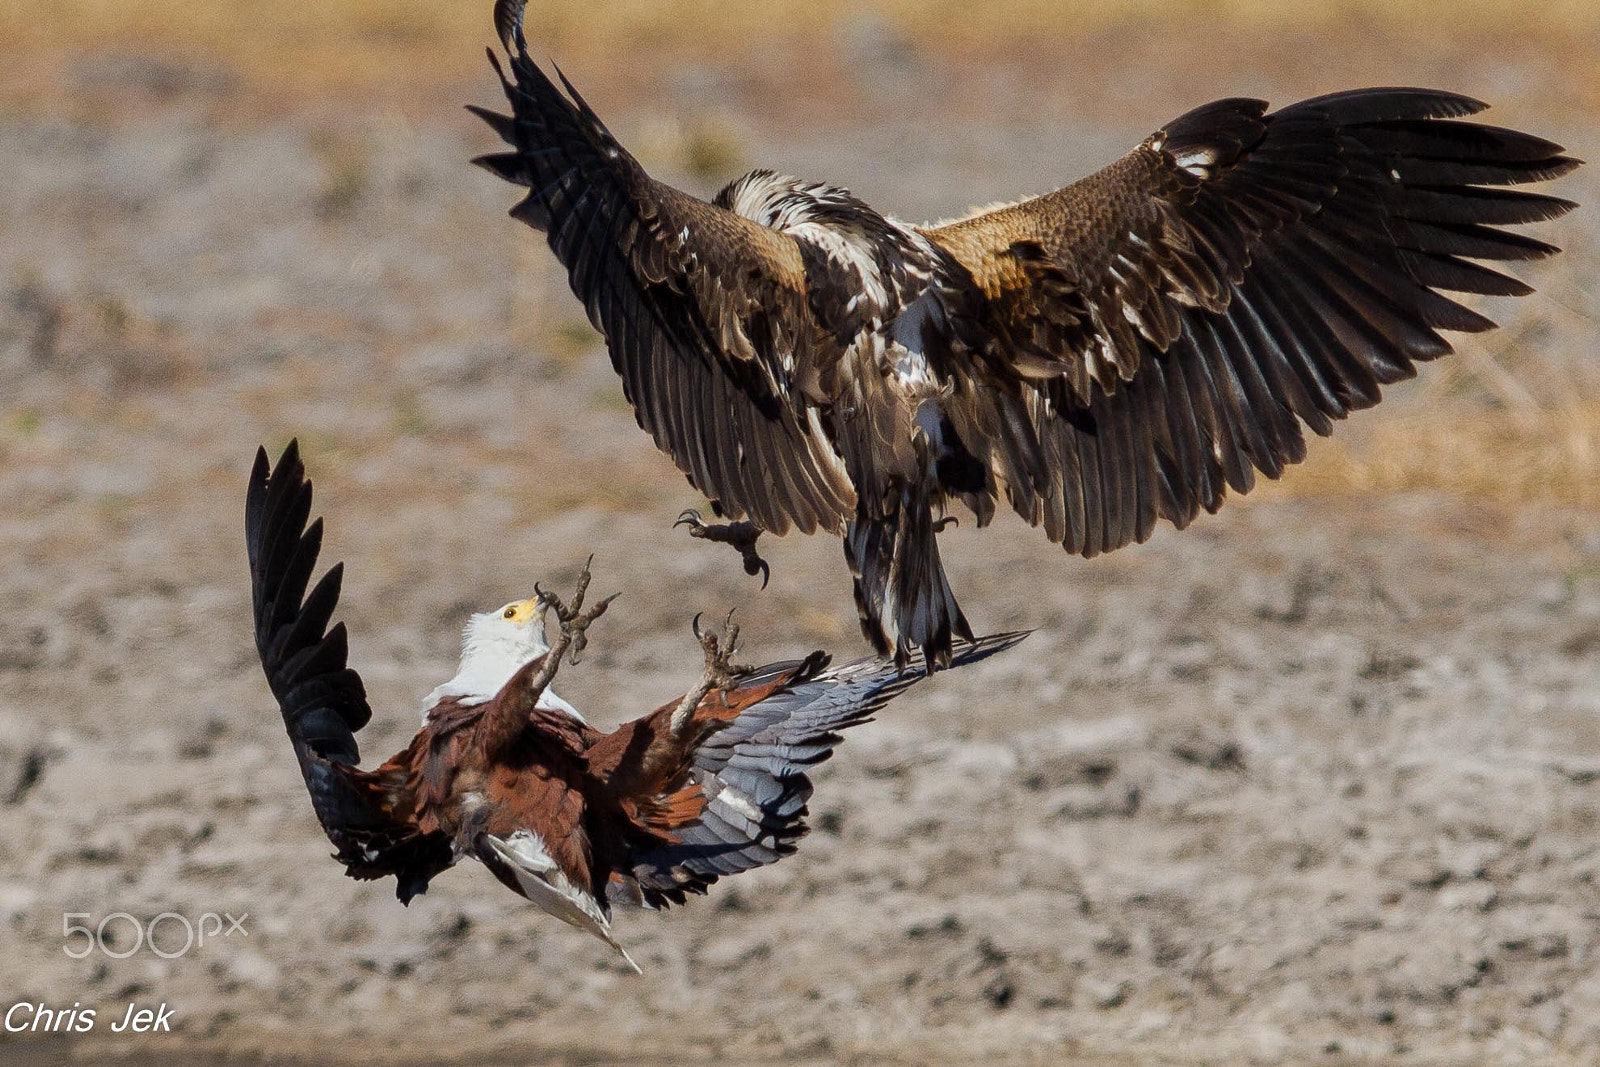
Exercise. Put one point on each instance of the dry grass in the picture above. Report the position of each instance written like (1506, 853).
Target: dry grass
(1552, 455)
(292, 44)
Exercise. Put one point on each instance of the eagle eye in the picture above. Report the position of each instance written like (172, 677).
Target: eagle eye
(509, 613)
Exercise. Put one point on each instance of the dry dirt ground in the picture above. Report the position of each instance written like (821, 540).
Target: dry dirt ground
(1317, 781)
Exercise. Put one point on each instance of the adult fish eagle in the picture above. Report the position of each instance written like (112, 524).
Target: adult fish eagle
(505, 771)
(1127, 348)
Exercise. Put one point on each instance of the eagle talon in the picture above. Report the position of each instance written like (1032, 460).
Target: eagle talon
(573, 619)
(719, 655)
(721, 673)
(741, 535)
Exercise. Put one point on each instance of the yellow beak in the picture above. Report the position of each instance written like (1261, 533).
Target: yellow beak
(526, 610)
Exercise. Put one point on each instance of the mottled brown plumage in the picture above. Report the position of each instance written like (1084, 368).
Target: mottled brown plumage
(1126, 348)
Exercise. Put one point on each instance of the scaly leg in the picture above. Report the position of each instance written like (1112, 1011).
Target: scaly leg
(572, 636)
(741, 535)
(720, 673)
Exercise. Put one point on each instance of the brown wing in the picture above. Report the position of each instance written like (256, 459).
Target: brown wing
(1160, 330)
(642, 758)
(704, 311)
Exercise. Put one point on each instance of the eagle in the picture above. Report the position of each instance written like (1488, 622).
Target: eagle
(504, 771)
(1127, 348)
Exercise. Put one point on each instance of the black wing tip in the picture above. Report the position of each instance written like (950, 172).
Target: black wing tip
(571, 89)
(289, 467)
(504, 126)
(1380, 103)
(1561, 164)
(986, 646)
(1553, 207)
(289, 471)
(814, 664)
(1450, 104)
(290, 457)
(334, 575)
(338, 635)
(527, 78)
(500, 70)
(1536, 158)
(269, 484)
(256, 492)
(284, 541)
(507, 166)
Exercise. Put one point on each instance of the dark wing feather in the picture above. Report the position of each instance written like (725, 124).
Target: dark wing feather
(1161, 330)
(704, 312)
(754, 770)
(322, 699)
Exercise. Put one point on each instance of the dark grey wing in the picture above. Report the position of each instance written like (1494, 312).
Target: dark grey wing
(322, 700)
(704, 312)
(1153, 335)
(754, 771)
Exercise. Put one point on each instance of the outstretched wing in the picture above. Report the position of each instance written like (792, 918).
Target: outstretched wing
(704, 311)
(322, 699)
(1160, 330)
(753, 771)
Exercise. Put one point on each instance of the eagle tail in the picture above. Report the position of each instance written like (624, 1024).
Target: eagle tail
(902, 594)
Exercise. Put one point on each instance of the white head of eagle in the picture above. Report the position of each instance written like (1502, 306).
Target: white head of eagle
(494, 646)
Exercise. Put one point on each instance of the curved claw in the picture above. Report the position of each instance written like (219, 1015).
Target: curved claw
(759, 566)
(582, 586)
(580, 627)
(694, 625)
(689, 517)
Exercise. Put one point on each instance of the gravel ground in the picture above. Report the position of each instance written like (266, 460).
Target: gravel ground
(1317, 781)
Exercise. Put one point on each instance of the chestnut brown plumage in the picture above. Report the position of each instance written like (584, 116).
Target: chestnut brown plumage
(1127, 348)
(570, 817)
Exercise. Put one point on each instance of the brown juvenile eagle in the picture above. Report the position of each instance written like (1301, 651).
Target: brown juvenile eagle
(508, 773)
(1123, 349)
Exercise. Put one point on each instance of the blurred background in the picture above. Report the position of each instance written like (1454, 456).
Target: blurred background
(1317, 781)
